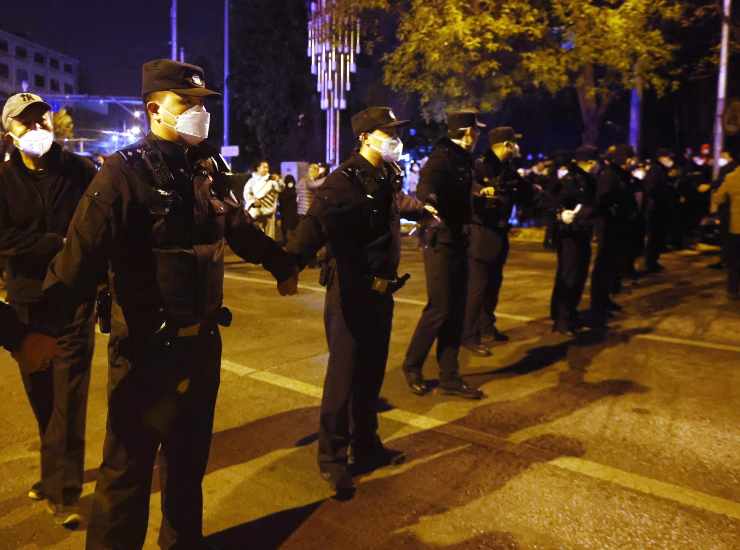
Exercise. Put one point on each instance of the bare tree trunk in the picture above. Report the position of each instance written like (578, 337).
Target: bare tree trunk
(592, 108)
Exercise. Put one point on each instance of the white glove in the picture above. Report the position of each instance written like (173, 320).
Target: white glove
(567, 216)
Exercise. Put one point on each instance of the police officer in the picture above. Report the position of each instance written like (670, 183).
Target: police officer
(356, 214)
(497, 189)
(614, 208)
(156, 217)
(445, 183)
(40, 187)
(573, 209)
(657, 208)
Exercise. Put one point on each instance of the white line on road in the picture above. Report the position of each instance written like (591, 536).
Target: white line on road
(628, 480)
(523, 318)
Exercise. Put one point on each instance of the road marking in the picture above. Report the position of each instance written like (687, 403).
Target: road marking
(682, 495)
(628, 480)
(523, 318)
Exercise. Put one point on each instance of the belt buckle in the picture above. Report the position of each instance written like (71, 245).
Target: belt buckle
(380, 285)
(192, 330)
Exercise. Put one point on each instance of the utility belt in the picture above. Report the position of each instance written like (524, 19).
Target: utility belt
(222, 317)
(380, 285)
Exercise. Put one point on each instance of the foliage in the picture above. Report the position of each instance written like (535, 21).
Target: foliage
(271, 83)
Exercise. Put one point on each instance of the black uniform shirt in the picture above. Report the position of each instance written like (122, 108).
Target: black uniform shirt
(445, 182)
(165, 258)
(356, 212)
(35, 211)
(577, 187)
(510, 187)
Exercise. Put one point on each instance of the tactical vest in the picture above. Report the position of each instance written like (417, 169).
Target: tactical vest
(186, 229)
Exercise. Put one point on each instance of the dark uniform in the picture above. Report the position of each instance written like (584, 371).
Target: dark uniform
(489, 239)
(573, 246)
(35, 210)
(356, 214)
(445, 182)
(288, 208)
(657, 213)
(157, 217)
(614, 209)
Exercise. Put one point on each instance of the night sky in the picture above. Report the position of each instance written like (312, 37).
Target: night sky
(112, 38)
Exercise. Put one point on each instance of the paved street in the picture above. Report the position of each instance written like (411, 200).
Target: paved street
(628, 443)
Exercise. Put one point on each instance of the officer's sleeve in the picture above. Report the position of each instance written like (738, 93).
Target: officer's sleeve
(252, 245)
(312, 232)
(73, 273)
(431, 180)
(409, 207)
(13, 330)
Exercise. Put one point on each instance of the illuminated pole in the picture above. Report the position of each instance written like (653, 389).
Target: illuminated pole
(721, 89)
(333, 47)
(226, 73)
(173, 30)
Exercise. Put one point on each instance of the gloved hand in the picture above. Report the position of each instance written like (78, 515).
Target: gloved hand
(567, 216)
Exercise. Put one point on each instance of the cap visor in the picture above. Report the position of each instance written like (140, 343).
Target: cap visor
(197, 92)
(479, 124)
(395, 124)
(18, 112)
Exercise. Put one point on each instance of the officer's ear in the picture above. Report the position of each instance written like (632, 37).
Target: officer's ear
(152, 109)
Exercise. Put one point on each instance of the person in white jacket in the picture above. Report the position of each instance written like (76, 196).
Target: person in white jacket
(261, 198)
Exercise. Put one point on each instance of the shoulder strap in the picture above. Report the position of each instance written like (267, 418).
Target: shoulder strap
(143, 156)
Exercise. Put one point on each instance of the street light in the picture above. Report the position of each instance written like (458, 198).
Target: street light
(137, 114)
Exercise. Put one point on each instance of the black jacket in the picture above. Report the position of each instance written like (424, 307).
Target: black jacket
(357, 214)
(615, 202)
(445, 182)
(35, 211)
(576, 187)
(162, 240)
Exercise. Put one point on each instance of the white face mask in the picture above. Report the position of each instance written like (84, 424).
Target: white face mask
(35, 143)
(668, 163)
(192, 125)
(639, 173)
(562, 172)
(391, 149)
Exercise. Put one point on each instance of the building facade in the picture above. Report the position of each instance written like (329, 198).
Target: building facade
(28, 66)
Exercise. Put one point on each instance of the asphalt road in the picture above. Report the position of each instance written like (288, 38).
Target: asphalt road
(628, 443)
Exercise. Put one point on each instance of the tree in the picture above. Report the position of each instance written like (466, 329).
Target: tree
(271, 83)
(456, 53)
(600, 50)
(479, 52)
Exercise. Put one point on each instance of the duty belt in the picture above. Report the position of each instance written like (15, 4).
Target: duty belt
(222, 317)
(388, 286)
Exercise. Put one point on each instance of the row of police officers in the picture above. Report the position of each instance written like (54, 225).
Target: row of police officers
(152, 227)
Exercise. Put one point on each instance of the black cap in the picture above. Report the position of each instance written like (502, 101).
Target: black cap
(465, 118)
(375, 118)
(664, 152)
(619, 153)
(166, 75)
(502, 134)
(586, 153)
(561, 157)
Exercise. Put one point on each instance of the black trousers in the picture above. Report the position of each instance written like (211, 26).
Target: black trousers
(574, 257)
(656, 236)
(732, 257)
(58, 397)
(445, 267)
(358, 328)
(607, 266)
(484, 286)
(162, 396)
